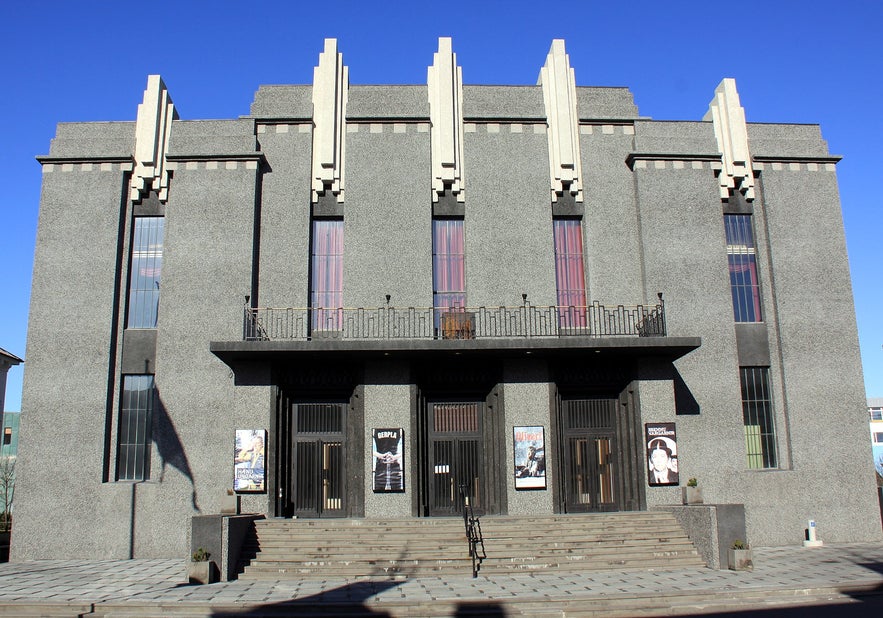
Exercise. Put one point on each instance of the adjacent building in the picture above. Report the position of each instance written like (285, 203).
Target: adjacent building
(7, 361)
(875, 420)
(371, 301)
(9, 444)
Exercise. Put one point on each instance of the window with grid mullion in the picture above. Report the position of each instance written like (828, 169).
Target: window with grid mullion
(742, 265)
(134, 430)
(146, 270)
(757, 416)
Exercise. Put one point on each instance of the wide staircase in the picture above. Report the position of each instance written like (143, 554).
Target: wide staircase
(304, 548)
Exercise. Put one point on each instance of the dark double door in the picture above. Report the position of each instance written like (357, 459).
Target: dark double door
(455, 466)
(318, 460)
(590, 467)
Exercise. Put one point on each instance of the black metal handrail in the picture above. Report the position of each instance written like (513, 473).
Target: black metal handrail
(528, 321)
(473, 533)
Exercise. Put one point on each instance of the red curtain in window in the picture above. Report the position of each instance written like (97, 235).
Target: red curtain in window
(569, 273)
(327, 274)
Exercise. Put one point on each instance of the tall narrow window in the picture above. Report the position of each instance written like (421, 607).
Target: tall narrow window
(144, 279)
(326, 298)
(743, 268)
(448, 267)
(569, 273)
(757, 415)
(133, 451)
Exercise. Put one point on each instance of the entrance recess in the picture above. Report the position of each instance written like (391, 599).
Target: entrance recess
(589, 464)
(456, 457)
(318, 482)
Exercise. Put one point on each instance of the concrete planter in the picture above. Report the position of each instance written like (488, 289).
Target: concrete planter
(201, 572)
(691, 495)
(740, 560)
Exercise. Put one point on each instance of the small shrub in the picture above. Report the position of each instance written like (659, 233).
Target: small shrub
(739, 544)
(692, 482)
(200, 555)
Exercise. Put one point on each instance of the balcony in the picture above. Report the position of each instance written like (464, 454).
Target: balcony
(471, 323)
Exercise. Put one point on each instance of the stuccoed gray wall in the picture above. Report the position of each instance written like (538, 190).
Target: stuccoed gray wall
(684, 256)
(387, 220)
(285, 215)
(611, 234)
(206, 274)
(61, 444)
(817, 340)
(508, 215)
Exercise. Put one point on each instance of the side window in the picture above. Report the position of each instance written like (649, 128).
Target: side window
(144, 277)
(742, 261)
(133, 446)
(757, 415)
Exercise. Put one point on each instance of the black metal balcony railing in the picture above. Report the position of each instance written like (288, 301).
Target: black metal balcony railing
(595, 320)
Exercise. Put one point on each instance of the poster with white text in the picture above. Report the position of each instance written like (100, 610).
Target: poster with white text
(530, 457)
(248, 460)
(662, 454)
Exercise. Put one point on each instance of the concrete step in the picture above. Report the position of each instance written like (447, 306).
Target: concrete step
(425, 547)
(368, 553)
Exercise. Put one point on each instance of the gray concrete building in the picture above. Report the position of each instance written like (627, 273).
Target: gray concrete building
(368, 301)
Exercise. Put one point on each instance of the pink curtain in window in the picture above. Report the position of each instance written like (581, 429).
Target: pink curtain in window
(327, 274)
(448, 263)
(569, 273)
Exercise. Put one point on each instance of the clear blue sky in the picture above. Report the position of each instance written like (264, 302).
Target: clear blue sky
(793, 61)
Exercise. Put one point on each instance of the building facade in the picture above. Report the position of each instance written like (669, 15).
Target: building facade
(370, 301)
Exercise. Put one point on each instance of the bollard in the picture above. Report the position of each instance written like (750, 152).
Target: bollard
(811, 538)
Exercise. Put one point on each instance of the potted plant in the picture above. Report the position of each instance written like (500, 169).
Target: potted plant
(200, 569)
(739, 557)
(691, 494)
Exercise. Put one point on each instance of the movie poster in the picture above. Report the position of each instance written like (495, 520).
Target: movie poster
(389, 455)
(530, 457)
(662, 454)
(248, 460)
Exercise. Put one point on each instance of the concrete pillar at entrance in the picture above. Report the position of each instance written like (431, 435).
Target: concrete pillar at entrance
(527, 402)
(254, 405)
(657, 402)
(388, 404)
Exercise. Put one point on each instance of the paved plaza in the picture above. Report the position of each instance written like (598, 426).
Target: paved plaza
(848, 574)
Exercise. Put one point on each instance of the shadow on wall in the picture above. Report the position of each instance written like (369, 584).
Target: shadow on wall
(169, 446)
(685, 402)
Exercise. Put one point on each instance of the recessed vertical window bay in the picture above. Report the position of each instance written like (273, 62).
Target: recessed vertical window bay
(757, 414)
(136, 409)
(742, 260)
(448, 266)
(326, 298)
(570, 277)
(144, 279)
